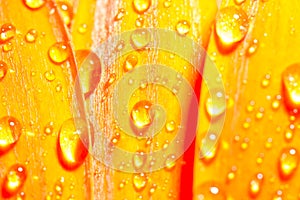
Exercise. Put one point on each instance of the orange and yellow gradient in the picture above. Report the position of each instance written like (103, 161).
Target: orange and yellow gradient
(46, 139)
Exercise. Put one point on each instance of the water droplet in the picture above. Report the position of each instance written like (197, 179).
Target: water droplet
(89, 70)
(31, 36)
(72, 143)
(139, 160)
(269, 143)
(140, 38)
(139, 22)
(139, 181)
(167, 3)
(8, 46)
(48, 129)
(120, 14)
(50, 75)
(141, 6)
(82, 28)
(34, 4)
(152, 189)
(7, 32)
(216, 108)
(291, 86)
(288, 163)
(66, 11)
(210, 190)
(255, 185)
(252, 47)
(265, 82)
(13, 180)
(59, 52)
(250, 106)
(3, 70)
(170, 162)
(231, 25)
(239, 2)
(208, 155)
(183, 27)
(170, 126)
(260, 113)
(10, 131)
(115, 139)
(130, 62)
(289, 133)
(140, 114)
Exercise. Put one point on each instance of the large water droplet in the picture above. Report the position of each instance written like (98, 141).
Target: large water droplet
(141, 6)
(59, 52)
(288, 163)
(255, 185)
(291, 86)
(66, 11)
(89, 70)
(139, 181)
(34, 4)
(140, 38)
(7, 32)
(31, 35)
(72, 143)
(231, 26)
(10, 131)
(3, 70)
(183, 27)
(13, 180)
(140, 114)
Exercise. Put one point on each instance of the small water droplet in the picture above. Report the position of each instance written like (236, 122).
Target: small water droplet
(152, 189)
(7, 32)
(288, 163)
(260, 113)
(10, 131)
(31, 36)
(3, 70)
(141, 6)
(231, 25)
(139, 22)
(183, 27)
(115, 139)
(208, 155)
(50, 75)
(216, 108)
(59, 52)
(252, 47)
(82, 28)
(239, 2)
(210, 190)
(140, 114)
(140, 38)
(167, 3)
(255, 185)
(72, 149)
(291, 86)
(13, 180)
(8, 46)
(265, 82)
(66, 11)
(170, 162)
(130, 62)
(139, 160)
(34, 4)
(170, 126)
(120, 14)
(48, 129)
(139, 181)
